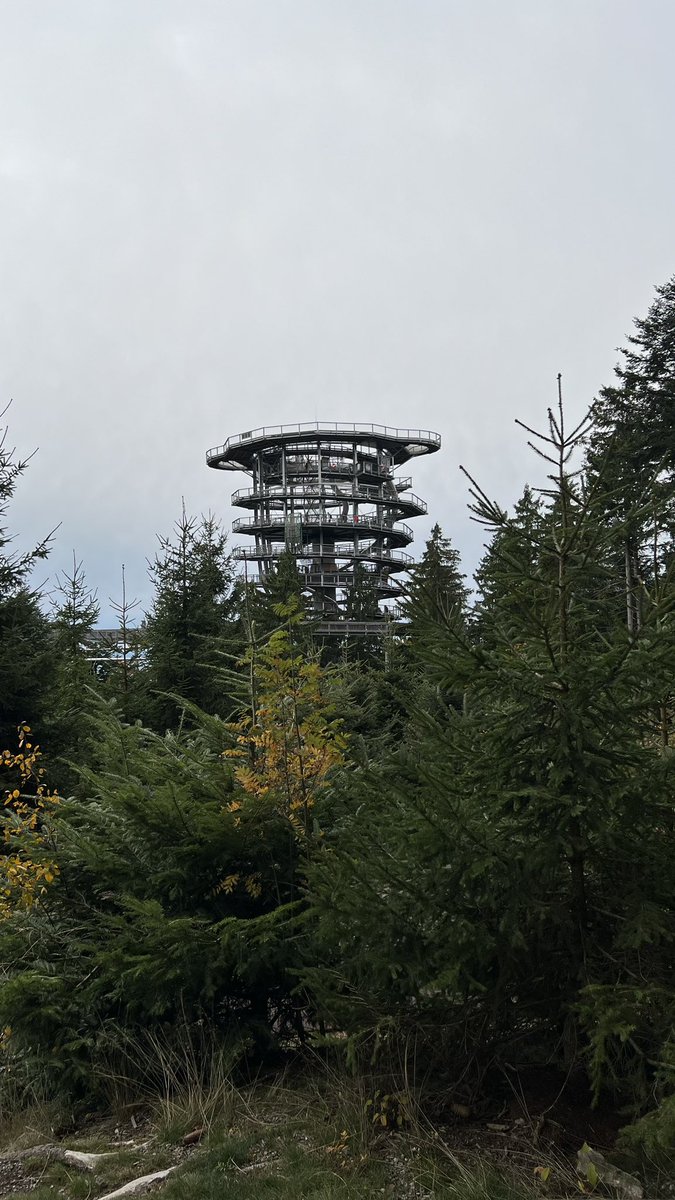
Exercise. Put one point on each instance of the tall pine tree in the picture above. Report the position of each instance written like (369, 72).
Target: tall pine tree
(437, 590)
(632, 446)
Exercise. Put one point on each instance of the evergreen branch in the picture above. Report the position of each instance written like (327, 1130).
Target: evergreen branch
(534, 432)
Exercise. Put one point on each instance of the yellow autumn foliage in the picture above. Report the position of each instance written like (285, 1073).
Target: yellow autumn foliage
(25, 872)
(287, 745)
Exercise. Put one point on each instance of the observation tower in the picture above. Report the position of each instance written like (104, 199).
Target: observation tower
(329, 493)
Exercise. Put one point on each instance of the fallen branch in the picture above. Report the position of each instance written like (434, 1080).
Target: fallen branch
(136, 1186)
(74, 1158)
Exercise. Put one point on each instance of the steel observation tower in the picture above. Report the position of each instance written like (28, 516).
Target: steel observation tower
(330, 494)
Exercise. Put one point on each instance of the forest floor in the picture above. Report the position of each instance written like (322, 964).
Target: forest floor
(310, 1138)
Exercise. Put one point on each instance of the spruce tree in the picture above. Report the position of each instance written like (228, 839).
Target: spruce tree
(191, 621)
(278, 601)
(437, 589)
(177, 894)
(632, 445)
(283, 583)
(362, 602)
(121, 675)
(514, 551)
(640, 406)
(26, 654)
(260, 603)
(75, 611)
(488, 889)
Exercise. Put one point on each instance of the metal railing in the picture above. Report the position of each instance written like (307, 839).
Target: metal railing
(337, 579)
(312, 579)
(389, 432)
(361, 522)
(346, 627)
(365, 492)
(309, 469)
(397, 558)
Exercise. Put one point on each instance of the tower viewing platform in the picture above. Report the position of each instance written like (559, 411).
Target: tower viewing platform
(330, 494)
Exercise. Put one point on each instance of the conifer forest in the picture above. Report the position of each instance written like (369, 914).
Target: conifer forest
(429, 875)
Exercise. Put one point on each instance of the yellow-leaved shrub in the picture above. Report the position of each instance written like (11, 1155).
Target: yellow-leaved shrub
(26, 868)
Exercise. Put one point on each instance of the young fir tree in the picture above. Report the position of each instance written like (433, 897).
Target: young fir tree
(75, 611)
(26, 655)
(260, 604)
(283, 584)
(492, 887)
(514, 551)
(120, 673)
(361, 605)
(180, 888)
(437, 589)
(191, 622)
(362, 602)
(378, 692)
(437, 592)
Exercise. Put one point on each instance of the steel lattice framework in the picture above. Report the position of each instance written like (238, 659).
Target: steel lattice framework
(330, 494)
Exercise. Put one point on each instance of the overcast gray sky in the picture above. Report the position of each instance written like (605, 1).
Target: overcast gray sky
(218, 214)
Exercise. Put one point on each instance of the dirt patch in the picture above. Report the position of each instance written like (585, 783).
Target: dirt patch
(18, 1177)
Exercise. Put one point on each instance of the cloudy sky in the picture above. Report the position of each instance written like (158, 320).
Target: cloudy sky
(217, 214)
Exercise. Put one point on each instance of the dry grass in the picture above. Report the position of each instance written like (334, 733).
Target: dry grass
(315, 1135)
